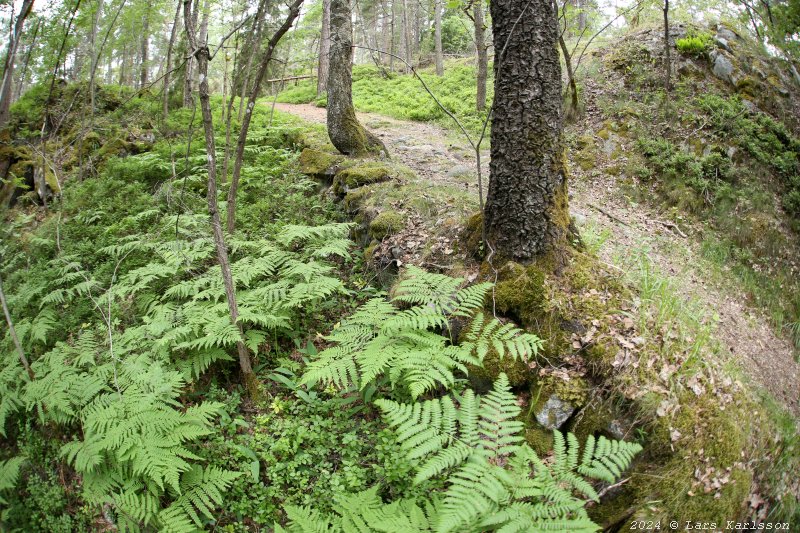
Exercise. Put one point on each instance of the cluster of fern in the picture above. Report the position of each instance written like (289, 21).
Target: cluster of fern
(409, 340)
(494, 481)
(122, 378)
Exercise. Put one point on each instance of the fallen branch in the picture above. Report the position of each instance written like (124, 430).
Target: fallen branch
(609, 215)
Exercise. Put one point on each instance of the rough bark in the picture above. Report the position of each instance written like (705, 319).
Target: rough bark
(324, 48)
(13, 332)
(482, 55)
(526, 214)
(345, 131)
(11, 56)
(437, 36)
(167, 71)
(202, 54)
(294, 11)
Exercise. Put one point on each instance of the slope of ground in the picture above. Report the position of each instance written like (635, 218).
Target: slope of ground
(442, 159)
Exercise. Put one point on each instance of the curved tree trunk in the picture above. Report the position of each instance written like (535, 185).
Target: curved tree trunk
(168, 68)
(572, 111)
(324, 48)
(345, 131)
(294, 12)
(202, 57)
(526, 213)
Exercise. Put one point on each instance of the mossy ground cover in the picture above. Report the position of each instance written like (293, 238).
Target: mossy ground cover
(402, 96)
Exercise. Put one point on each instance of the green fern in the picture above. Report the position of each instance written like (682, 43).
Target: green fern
(494, 482)
(9, 473)
(410, 345)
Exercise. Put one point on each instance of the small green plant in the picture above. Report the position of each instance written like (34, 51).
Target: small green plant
(696, 44)
(493, 480)
(401, 339)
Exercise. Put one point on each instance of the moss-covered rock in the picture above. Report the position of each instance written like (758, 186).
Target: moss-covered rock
(359, 175)
(385, 224)
(540, 440)
(472, 236)
(318, 164)
(482, 377)
(354, 199)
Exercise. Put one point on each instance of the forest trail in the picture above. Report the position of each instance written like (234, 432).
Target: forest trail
(444, 158)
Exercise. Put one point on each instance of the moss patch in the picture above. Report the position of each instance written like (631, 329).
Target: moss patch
(385, 224)
(319, 164)
(361, 174)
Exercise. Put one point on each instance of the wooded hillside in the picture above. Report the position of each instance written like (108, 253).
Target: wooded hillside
(394, 266)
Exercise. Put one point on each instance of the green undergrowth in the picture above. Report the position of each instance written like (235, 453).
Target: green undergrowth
(402, 96)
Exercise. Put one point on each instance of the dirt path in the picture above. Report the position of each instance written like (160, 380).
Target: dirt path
(442, 158)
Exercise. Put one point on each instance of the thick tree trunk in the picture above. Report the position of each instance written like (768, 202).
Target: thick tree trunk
(437, 36)
(324, 48)
(167, 70)
(294, 11)
(345, 131)
(11, 56)
(526, 213)
(202, 55)
(482, 55)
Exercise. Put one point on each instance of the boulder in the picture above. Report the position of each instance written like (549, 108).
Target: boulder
(723, 68)
(554, 412)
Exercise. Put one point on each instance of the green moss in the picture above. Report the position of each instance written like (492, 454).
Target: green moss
(361, 174)
(604, 134)
(385, 224)
(472, 235)
(354, 199)
(540, 440)
(369, 252)
(482, 377)
(521, 292)
(115, 147)
(318, 164)
(748, 86)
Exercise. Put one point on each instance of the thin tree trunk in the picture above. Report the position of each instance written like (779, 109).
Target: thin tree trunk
(13, 332)
(253, 47)
(483, 59)
(188, 81)
(437, 36)
(667, 61)
(407, 37)
(294, 11)
(324, 48)
(527, 213)
(24, 72)
(98, 14)
(167, 71)
(11, 56)
(391, 33)
(202, 55)
(145, 51)
(572, 112)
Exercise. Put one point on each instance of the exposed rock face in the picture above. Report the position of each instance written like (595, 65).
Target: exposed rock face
(554, 412)
(722, 68)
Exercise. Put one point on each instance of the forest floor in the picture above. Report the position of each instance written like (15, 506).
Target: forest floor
(446, 159)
